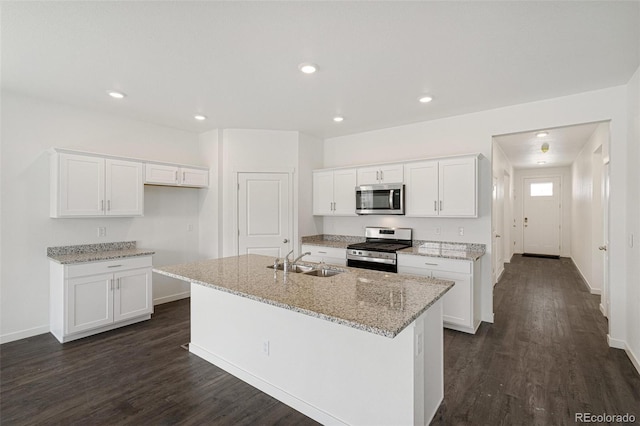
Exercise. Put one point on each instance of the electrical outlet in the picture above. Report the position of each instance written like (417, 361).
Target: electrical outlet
(102, 231)
(265, 347)
(461, 231)
(436, 230)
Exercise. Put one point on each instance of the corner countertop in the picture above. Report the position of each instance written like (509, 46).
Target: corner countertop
(377, 302)
(95, 252)
(448, 250)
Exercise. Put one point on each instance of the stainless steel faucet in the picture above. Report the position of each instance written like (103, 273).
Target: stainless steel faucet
(293, 264)
(286, 266)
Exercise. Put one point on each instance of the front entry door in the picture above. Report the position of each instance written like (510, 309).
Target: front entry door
(542, 216)
(264, 216)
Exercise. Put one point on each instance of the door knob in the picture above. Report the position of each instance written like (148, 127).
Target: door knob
(603, 248)
(497, 235)
(285, 241)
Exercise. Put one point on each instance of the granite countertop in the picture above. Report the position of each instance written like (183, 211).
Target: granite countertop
(459, 251)
(95, 252)
(378, 302)
(449, 250)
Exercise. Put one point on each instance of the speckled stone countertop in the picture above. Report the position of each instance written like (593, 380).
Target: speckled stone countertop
(95, 252)
(377, 302)
(335, 241)
(460, 251)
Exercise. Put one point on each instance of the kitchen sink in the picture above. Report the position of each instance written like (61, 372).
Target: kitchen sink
(323, 272)
(296, 269)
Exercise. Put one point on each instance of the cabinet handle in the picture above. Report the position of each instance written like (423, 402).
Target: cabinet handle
(435, 206)
(101, 205)
(114, 266)
(118, 284)
(440, 205)
(111, 282)
(183, 175)
(323, 252)
(431, 264)
(381, 175)
(176, 175)
(377, 175)
(108, 204)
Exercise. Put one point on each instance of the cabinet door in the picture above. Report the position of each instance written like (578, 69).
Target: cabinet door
(457, 308)
(393, 173)
(124, 188)
(133, 294)
(160, 174)
(457, 187)
(194, 177)
(344, 192)
(81, 189)
(323, 193)
(89, 302)
(421, 195)
(368, 175)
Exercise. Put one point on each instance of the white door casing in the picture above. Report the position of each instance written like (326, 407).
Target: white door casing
(605, 300)
(264, 214)
(541, 215)
(496, 250)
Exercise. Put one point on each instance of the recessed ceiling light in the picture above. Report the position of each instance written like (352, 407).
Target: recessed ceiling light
(116, 95)
(425, 99)
(200, 117)
(308, 68)
(338, 119)
(542, 162)
(542, 134)
(544, 148)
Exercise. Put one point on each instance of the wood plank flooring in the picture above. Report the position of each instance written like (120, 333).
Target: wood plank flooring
(544, 359)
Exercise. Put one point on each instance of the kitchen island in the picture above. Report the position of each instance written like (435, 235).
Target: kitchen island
(359, 347)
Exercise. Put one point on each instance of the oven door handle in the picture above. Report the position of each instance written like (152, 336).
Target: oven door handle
(372, 259)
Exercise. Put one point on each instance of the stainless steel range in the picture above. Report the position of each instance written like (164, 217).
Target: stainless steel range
(379, 250)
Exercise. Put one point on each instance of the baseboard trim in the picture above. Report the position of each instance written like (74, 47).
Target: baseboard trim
(592, 290)
(634, 359)
(171, 298)
(23, 334)
(616, 343)
(604, 314)
(266, 387)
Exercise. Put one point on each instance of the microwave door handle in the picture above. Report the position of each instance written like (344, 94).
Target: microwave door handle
(391, 198)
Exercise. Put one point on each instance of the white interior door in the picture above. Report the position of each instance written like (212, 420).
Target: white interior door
(507, 221)
(541, 219)
(605, 299)
(264, 216)
(496, 250)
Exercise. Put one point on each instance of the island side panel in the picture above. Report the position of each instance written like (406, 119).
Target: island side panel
(330, 372)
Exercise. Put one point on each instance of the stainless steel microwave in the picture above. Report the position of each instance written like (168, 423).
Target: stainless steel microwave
(380, 199)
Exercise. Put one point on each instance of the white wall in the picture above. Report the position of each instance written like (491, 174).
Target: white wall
(253, 151)
(586, 215)
(31, 126)
(210, 240)
(633, 222)
(310, 157)
(473, 133)
(565, 219)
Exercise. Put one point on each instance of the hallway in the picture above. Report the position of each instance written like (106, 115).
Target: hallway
(544, 360)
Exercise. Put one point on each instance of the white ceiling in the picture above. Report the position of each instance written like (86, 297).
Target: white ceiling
(565, 143)
(237, 62)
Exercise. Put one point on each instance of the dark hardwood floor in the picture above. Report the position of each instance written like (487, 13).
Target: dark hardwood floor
(544, 360)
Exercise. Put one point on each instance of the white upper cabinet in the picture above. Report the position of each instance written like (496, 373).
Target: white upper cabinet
(162, 174)
(445, 188)
(388, 173)
(85, 186)
(334, 193)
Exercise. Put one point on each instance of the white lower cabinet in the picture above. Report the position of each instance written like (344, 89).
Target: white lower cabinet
(461, 309)
(331, 255)
(90, 298)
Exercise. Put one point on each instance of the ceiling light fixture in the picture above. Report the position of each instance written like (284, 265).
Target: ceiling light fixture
(338, 119)
(544, 148)
(308, 68)
(200, 117)
(425, 99)
(542, 134)
(116, 95)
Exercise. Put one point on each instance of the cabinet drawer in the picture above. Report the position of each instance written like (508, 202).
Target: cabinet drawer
(109, 266)
(325, 252)
(434, 263)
